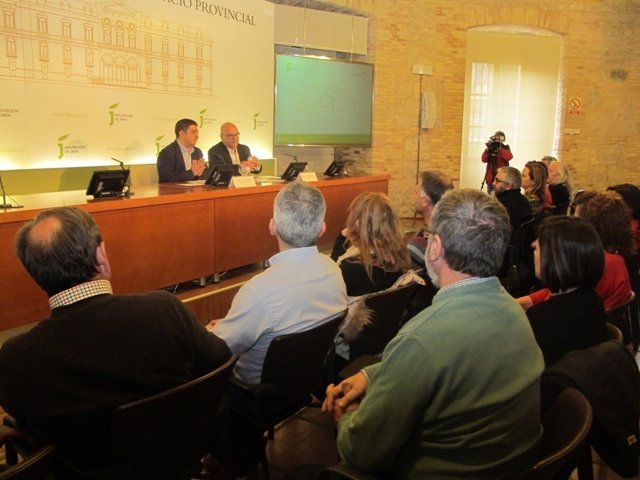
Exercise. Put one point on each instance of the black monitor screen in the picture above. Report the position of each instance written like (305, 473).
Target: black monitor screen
(220, 175)
(336, 169)
(293, 170)
(108, 183)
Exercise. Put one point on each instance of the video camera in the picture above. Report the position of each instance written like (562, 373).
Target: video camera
(493, 144)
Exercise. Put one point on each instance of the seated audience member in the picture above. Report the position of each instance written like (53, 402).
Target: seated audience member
(534, 183)
(547, 159)
(457, 392)
(377, 251)
(300, 290)
(96, 351)
(230, 151)
(181, 160)
(611, 218)
(631, 196)
(569, 260)
(432, 184)
(506, 186)
(560, 187)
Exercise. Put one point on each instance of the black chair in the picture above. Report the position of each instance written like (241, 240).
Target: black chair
(566, 425)
(162, 437)
(621, 316)
(294, 368)
(34, 466)
(387, 309)
(518, 273)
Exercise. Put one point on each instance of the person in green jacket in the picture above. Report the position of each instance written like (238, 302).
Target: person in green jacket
(457, 392)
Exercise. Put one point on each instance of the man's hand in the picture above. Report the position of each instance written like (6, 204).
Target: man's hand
(252, 162)
(198, 166)
(346, 395)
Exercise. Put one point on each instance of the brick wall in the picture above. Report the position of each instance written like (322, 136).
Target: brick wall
(599, 64)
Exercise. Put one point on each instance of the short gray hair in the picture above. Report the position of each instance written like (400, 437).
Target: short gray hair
(298, 213)
(512, 176)
(474, 230)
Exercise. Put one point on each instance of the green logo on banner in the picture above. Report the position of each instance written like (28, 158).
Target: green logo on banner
(202, 112)
(255, 120)
(111, 113)
(158, 144)
(61, 145)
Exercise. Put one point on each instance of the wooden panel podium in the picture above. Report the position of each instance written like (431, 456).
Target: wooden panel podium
(165, 234)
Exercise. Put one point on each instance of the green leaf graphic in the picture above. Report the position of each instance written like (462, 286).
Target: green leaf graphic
(256, 114)
(159, 138)
(113, 106)
(62, 138)
(202, 111)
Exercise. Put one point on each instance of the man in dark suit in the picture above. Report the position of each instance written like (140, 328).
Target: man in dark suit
(181, 160)
(229, 151)
(506, 185)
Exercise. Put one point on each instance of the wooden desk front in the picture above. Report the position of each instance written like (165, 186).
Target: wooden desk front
(164, 235)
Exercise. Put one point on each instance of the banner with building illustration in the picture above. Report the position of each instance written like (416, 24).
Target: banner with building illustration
(83, 82)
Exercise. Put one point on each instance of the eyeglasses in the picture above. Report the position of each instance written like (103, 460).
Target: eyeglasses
(231, 135)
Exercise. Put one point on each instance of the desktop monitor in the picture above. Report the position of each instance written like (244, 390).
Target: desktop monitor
(336, 169)
(220, 175)
(108, 183)
(292, 170)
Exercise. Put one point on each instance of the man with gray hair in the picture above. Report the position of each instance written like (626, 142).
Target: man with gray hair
(457, 392)
(300, 290)
(431, 185)
(506, 187)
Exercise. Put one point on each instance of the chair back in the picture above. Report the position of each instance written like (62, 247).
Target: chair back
(387, 309)
(162, 436)
(34, 467)
(294, 362)
(518, 275)
(566, 424)
(620, 316)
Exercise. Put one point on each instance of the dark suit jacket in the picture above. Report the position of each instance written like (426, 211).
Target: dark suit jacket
(219, 155)
(518, 207)
(171, 164)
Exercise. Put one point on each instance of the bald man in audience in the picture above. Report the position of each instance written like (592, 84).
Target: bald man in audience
(97, 351)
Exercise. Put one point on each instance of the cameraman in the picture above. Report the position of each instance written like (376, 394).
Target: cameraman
(496, 155)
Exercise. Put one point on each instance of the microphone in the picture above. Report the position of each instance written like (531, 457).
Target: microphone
(4, 198)
(129, 190)
(121, 163)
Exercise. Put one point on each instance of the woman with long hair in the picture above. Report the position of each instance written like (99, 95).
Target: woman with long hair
(376, 250)
(569, 260)
(534, 182)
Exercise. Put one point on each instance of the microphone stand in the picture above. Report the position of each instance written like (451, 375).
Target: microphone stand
(6, 205)
(129, 190)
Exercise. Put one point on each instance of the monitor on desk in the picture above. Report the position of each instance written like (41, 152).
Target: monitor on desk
(293, 170)
(108, 183)
(336, 169)
(220, 175)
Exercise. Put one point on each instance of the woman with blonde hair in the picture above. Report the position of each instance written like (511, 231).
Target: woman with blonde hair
(376, 250)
